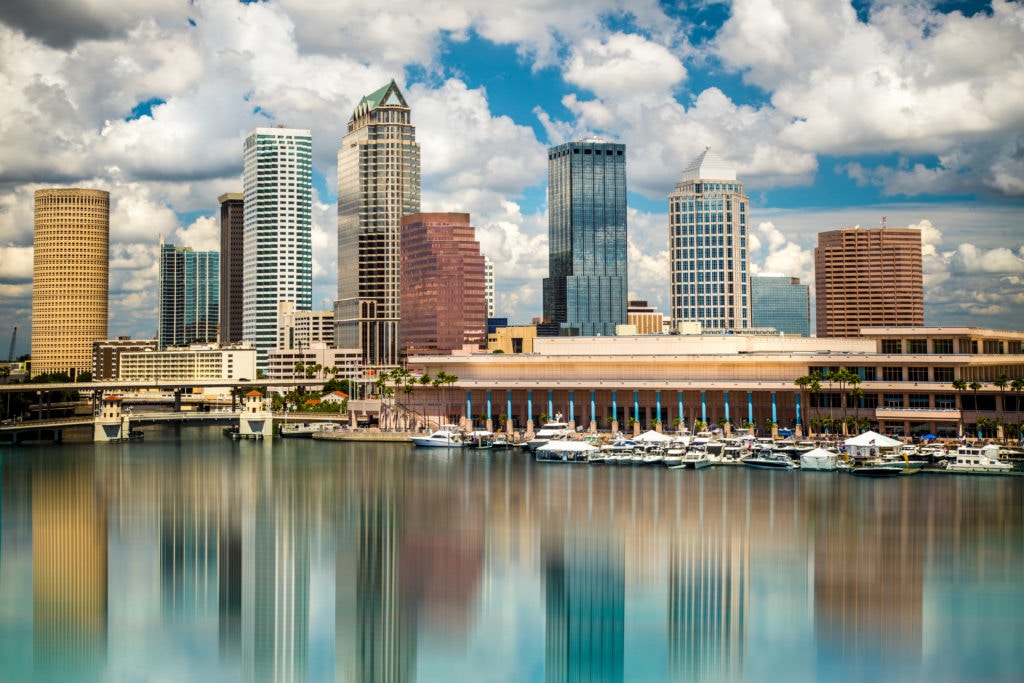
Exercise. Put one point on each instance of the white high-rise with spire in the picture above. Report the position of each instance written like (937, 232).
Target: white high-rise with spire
(708, 251)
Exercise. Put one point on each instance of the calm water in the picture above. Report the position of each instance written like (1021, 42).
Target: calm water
(190, 557)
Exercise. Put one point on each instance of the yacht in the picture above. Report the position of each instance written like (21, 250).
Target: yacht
(549, 431)
(770, 460)
(480, 439)
(695, 459)
(446, 437)
(978, 460)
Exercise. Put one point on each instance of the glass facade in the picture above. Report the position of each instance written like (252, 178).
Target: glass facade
(232, 254)
(782, 303)
(189, 296)
(277, 247)
(378, 184)
(585, 291)
(708, 253)
(444, 305)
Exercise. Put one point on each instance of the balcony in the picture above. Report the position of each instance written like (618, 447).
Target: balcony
(917, 414)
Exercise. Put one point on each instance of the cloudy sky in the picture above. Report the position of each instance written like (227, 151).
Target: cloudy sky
(834, 114)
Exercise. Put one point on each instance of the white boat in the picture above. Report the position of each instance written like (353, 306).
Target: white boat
(549, 431)
(978, 460)
(442, 438)
(480, 439)
(695, 459)
(819, 460)
(294, 430)
(565, 450)
(770, 460)
(620, 445)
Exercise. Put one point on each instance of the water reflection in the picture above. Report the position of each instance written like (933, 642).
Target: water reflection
(201, 558)
(69, 571)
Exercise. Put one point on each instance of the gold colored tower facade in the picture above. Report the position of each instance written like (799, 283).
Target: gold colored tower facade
(70, 280)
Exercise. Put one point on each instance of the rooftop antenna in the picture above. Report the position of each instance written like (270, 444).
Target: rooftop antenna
(883, 222)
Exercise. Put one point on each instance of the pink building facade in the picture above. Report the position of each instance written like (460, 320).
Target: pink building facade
(443, 298)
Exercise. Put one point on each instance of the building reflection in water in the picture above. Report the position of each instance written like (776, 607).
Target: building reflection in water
(584, 602)
(708, 586)
(275, 571)
(376, 627)
(596, 574)
(69, 570)
(868, 583)
(409, 563)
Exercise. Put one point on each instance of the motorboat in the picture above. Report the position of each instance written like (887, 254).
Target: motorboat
(654, 455)
(978, 460)
(769, 460)
(555, 430)
(877, 470)
(695, 459)
(479, 439)
(620, 445)
(293, 430)
(442, 438)
(565, 450)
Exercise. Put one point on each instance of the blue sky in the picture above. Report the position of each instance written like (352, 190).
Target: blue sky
(833, 113)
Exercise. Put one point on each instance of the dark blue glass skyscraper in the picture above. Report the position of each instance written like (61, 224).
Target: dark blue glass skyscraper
(585, 291)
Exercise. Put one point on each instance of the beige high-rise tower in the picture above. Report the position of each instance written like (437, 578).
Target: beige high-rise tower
(378, 184)
(70, 278)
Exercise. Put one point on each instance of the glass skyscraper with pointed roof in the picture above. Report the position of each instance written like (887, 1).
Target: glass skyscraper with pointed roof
(708, 251)
(585, 291)
(378, 184)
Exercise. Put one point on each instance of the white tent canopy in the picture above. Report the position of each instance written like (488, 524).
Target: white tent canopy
(869, 444)
(873, 439)
(563, 445)
(819, 459)
(653, 437)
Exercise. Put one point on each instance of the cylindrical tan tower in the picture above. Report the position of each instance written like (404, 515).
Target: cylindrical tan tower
(70, 279)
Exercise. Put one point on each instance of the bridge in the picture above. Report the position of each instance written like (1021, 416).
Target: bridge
(166, 385)
(51, 429)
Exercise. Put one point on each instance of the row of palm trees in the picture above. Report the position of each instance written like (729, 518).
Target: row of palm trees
(1002, 382)
(849, 381)
(316, 370)
(401, 379)
(849, 388)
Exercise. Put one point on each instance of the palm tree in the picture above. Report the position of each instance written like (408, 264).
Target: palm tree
(1017, 386)
(960, 384)
(974, 386)
(856, 393)
(802, 382)
(814, 388)
(845, 377)
(1002, 381)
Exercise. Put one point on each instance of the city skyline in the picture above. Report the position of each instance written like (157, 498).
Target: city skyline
(834, 115)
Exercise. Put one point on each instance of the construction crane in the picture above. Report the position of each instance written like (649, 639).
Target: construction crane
(14, 338)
